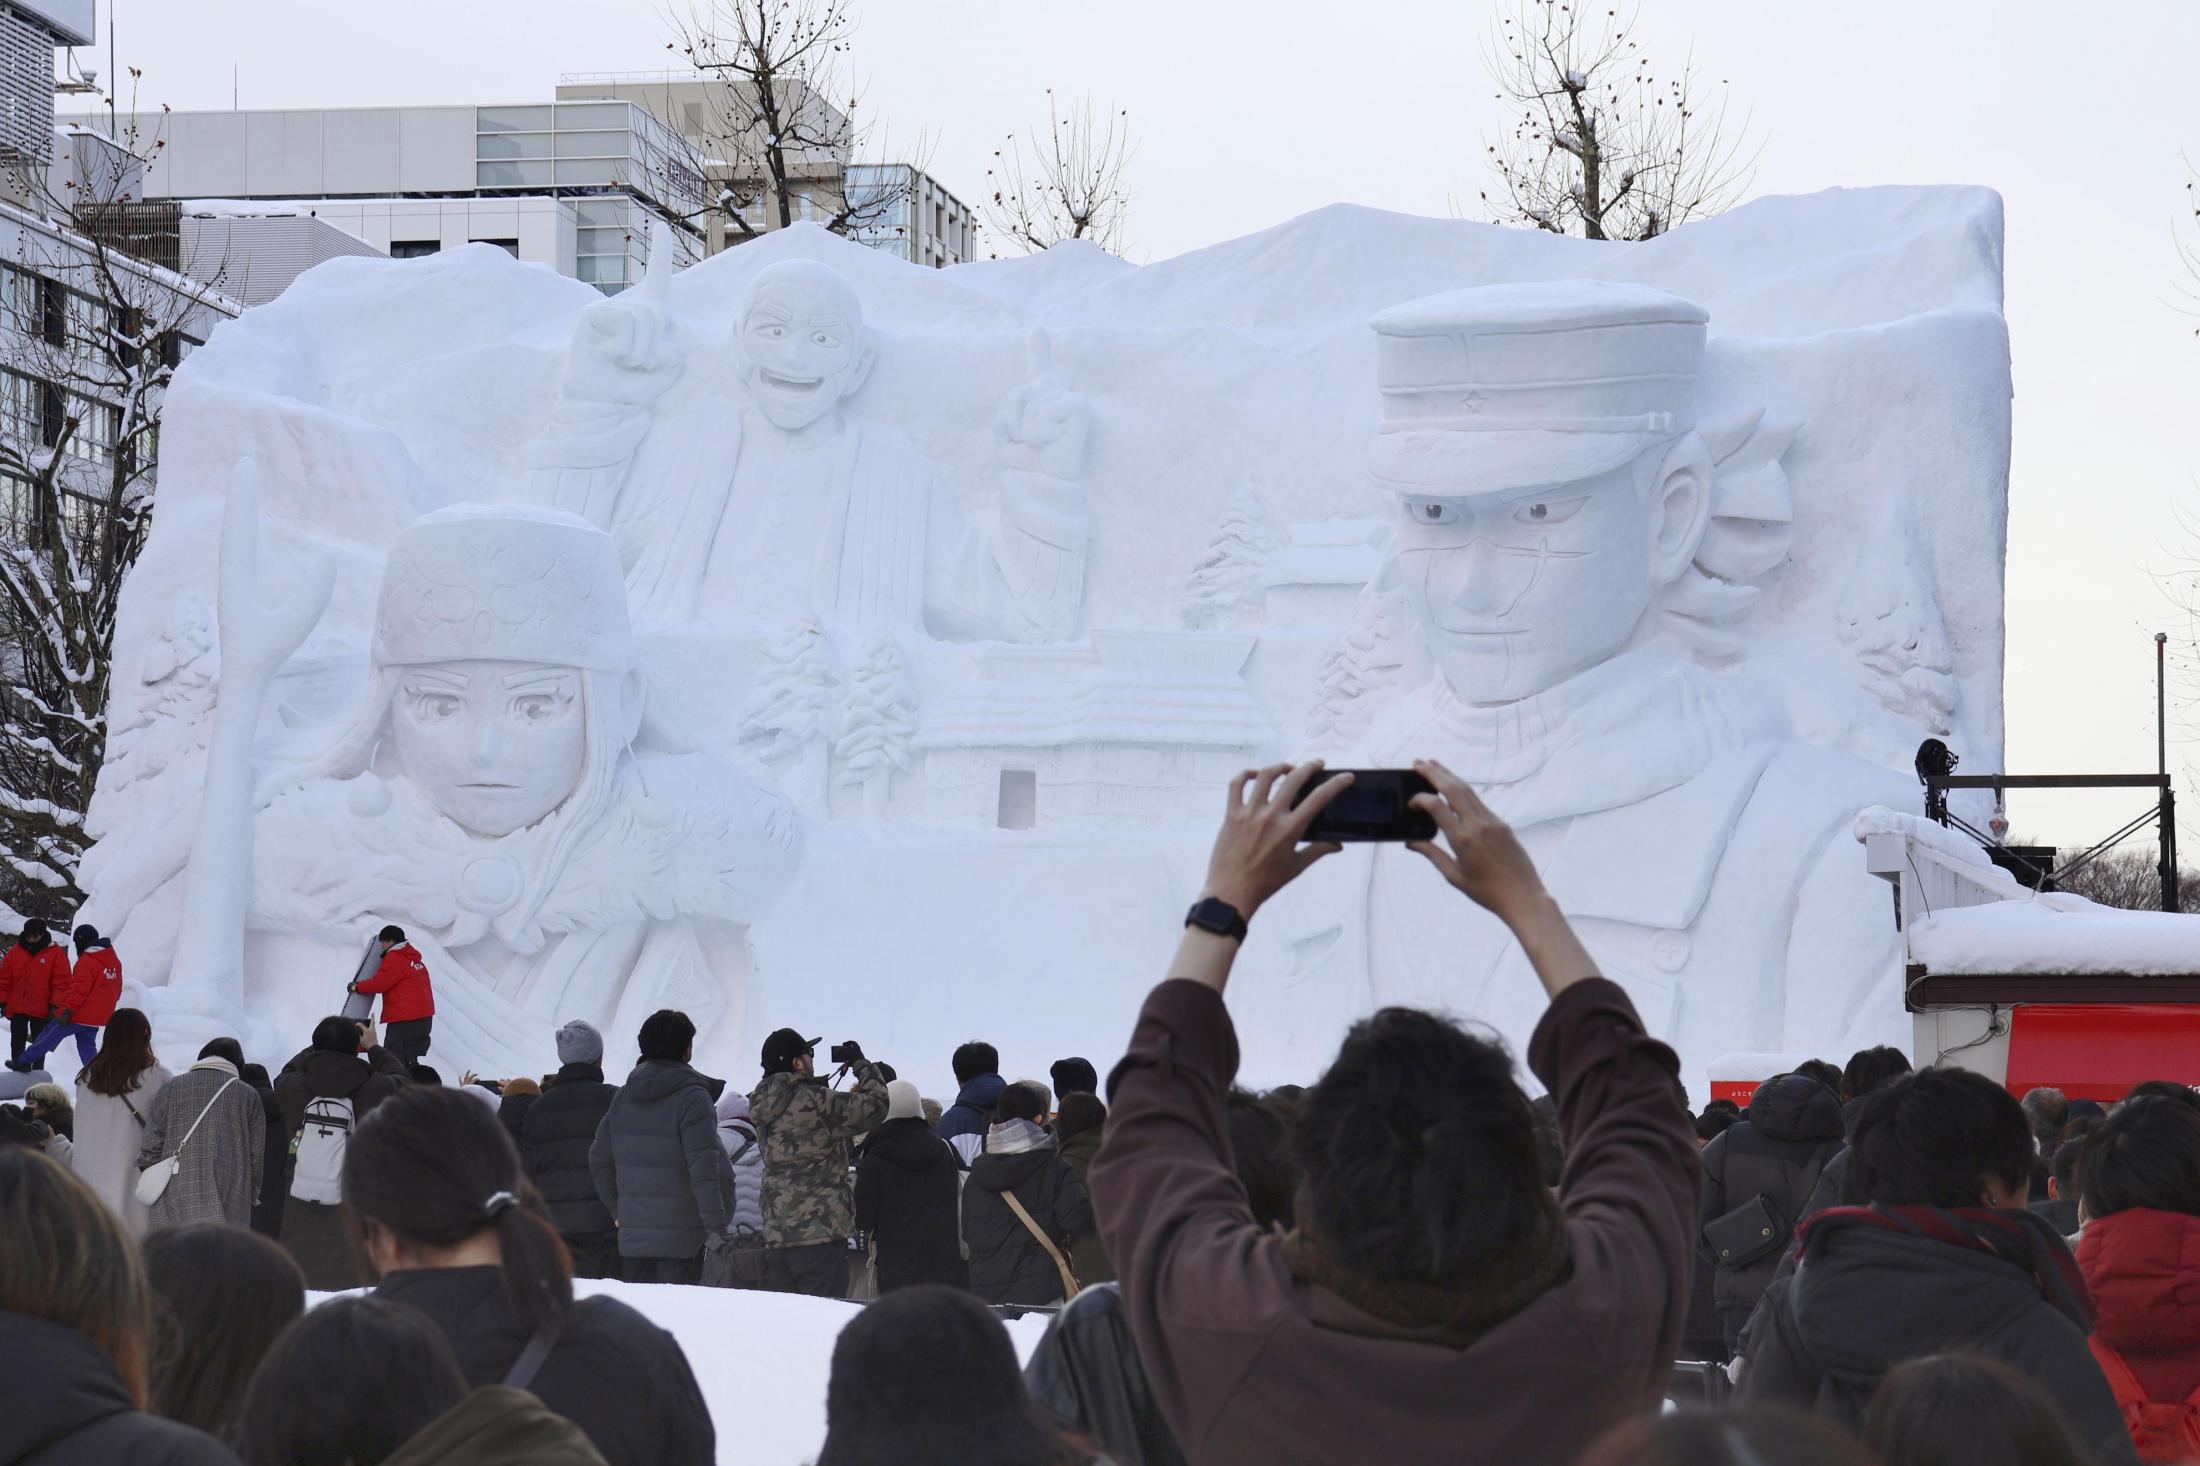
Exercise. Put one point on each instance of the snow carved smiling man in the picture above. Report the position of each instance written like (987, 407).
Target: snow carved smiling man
(1570, 545)
(497, 795)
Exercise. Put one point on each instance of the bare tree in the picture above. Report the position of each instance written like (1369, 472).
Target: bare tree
(1601, 143)
(2131, 880)
(1072, 184)
(91, 331)
(785, 121)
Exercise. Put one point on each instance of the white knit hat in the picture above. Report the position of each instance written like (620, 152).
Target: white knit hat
(903, 1102)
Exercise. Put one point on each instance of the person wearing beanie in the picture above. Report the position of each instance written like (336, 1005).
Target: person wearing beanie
(343, 1066)
(928, 1377)
(553, 1147)
(1073, 1076)
(908, 1193)
(31, 974)
(82, 1005)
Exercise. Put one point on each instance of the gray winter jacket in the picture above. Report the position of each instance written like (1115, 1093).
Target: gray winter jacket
(657, 1162)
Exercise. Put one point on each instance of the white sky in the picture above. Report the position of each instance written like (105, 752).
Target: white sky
(1248, 112)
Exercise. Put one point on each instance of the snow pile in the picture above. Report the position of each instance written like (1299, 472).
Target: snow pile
(2056, 934)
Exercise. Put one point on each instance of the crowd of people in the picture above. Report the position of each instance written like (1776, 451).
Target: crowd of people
(1407, 1259)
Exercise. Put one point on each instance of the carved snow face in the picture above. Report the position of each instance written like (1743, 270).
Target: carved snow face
(802, 348)
(1518, 591)
(496, 745)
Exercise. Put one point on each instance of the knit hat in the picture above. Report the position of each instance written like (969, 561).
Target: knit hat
(903, 1102)
(579, 1043)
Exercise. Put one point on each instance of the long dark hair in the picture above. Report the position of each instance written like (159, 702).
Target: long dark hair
(347, 1385)
(69, 1261)
(1748, 1436)
(2145, 1154)
(434, 1166)
(1967, 1410)
(221, 1297)
(125, 1053)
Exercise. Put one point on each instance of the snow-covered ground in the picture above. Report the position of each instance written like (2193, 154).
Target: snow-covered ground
(763, 1360)
(2055, 934)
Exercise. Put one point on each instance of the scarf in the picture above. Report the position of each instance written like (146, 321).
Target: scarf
(1465, 1308)
(1014, 1137)
(2019, 1238)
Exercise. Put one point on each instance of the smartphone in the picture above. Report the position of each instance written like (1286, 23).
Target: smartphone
(1378, 806)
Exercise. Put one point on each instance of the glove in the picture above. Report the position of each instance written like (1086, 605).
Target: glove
(855, 1053)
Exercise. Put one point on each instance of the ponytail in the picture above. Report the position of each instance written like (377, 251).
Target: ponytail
(435, 1167)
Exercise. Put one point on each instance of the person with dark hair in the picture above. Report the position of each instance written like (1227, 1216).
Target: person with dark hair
(1023, 1207)
(113, 1093)
(221, 1297)
(807, 1126)
(2139, 1180)
(1712, 1124)
(1821, 1070)
(1434, 1292)
(2169, 1089)
(323, 1093)
(963, 1124)
(1941, 1254)
(1073, 1076)
(31, 972)
(1756, 1435)
(927, 1377)
(408, 997)
(1967, 1410)
(656, 1161)
(1080, 1123)
(554, 1142)
(83, 1004)
(211, 1126)
(1867, 1070)
(267, 1212)
(908, 1197)
(446, 1223)
(1757, 1178)
(2060, 1210)
(368, 1382)
(76, 1330)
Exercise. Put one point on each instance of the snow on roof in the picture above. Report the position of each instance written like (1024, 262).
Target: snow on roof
(1126, 687)
(2055, 935)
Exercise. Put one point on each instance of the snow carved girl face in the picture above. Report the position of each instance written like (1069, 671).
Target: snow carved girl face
(496, 745)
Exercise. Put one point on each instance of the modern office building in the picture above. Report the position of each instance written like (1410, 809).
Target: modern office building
(917, 219)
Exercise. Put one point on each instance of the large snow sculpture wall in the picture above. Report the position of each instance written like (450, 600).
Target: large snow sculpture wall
(952, 598)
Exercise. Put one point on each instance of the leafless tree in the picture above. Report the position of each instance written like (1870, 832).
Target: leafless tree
(2130, 879)
(1601, 143)
(90, 334)
(776, 143)
(1074, 183)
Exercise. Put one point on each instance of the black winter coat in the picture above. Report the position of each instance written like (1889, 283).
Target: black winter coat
(1792, 1131)
(1868, 1300)
(908, 1186)
(512, 1110)
(267, 1212)
(67, 1407)
(553, 1148)
(612, 1372)
(1007, 1264)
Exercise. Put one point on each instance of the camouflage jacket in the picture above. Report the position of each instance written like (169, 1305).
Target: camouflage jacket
(804, 1129)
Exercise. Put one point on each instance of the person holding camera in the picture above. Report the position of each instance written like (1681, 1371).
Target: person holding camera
(806, 1124)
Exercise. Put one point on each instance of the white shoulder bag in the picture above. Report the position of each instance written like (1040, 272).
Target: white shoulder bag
(154, 1179)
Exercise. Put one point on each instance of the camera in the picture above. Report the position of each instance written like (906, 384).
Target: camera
(846, 1054)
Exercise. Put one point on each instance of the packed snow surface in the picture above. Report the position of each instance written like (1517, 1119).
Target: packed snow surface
(2056, 934)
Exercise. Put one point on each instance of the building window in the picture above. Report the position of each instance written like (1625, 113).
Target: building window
(1019, 805)
(509, 246)
(22, 408)
(414, 249)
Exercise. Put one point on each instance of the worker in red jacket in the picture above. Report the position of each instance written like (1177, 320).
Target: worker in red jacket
(83, 1004)
(31, 973)
(408, 1002)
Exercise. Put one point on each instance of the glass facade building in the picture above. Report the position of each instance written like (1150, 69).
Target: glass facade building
(616, 162)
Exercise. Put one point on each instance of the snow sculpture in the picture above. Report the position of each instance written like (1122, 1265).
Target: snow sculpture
(860, 530)
(1574, 544)
(916, 565)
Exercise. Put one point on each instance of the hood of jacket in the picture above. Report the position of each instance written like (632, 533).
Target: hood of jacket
(656, 1079)
(998, 1172)
(981, 1093)
(58, 1383)
(775, 1096)
(2144, 1269)
(1865, 1296)
(496, 1426)
(330, 1074)
(1795, 1107)
(909, 1145)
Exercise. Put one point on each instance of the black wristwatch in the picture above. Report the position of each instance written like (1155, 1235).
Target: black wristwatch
(1219, 917)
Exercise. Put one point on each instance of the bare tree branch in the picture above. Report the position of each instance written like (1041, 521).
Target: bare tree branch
(1072, 183)
(1598, 144)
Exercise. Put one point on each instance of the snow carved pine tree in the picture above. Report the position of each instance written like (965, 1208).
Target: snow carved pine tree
(1228, 571)
(1373, 655)
(877, 724)
(787, 716)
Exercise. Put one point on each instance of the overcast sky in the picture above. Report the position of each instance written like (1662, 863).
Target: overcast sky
(1248, 113)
